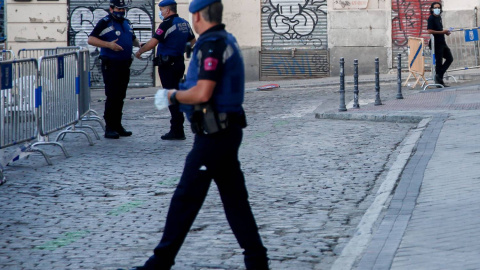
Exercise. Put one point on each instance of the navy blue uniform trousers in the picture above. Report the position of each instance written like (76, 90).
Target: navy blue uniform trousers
(170, 76)
(116, 75)
(214, 157)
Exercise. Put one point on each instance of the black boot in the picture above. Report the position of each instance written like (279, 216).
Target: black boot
(171, 135)
(122, 132)
(111, 134)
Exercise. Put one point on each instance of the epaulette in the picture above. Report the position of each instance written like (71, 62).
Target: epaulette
(106, 18)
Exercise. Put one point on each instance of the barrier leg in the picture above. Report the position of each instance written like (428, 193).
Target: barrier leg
(33, 148)
(61, 134)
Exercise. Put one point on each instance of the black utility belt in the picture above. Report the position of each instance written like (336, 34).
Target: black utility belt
(166, 60)
(204, 120)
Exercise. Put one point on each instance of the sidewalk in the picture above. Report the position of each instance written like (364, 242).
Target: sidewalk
(431, 219)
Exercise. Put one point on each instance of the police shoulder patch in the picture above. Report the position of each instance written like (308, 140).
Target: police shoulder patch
(210, 64)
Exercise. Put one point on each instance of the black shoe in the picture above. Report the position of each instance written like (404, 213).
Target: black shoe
(173, 136)
(438, 80)
(123, 133)
(111, 134)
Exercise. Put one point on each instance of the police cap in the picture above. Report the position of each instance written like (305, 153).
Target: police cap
(118, 3)
(197, 5)
(165, 3)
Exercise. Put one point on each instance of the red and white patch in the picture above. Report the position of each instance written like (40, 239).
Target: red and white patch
(159, 31)
(210, 64)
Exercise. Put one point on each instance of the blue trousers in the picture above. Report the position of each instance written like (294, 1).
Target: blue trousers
(116, 76)
(214, 157)
(170, 77)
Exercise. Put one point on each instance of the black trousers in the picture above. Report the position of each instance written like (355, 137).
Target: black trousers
(214, 157)
(170, 76)
(442, 52)
(116, 75)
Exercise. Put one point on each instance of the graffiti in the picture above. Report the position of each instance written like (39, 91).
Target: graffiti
(300, 65)
(84, 18)
(293, 25)
(409, 19)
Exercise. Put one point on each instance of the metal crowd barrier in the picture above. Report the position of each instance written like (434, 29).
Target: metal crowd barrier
(463, 42)
(35, 53)
(85, 112)
(18, 110)
(42, 96)
(59, 87)
(6, 55)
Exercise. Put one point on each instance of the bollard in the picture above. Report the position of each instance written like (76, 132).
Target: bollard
(399, 76)
(377, 82)
(342, 107)
(355, 83)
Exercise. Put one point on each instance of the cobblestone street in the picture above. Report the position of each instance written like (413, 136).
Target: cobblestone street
(309, 181)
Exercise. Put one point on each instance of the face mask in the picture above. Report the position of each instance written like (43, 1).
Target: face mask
(437, 11)
(119, 15)
(160, 15)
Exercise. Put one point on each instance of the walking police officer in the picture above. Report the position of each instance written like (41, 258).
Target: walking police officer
(171, 36)
(114, 35)
(212, 98)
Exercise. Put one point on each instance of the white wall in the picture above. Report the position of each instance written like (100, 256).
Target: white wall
(36, 24)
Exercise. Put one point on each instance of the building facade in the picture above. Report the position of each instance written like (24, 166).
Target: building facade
(280, 39)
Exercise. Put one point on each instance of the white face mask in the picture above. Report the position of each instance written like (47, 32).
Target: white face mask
(437, 11)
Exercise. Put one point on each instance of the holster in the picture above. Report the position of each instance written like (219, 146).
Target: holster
(162, 60)
(205, 120)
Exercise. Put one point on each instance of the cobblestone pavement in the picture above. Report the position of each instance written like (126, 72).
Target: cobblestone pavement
(309, 180)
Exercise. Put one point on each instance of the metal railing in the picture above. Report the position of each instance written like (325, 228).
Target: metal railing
(35, 53)
(42, 96)
(6, 55)
(59, 87)
(463, 43)
(18, 110)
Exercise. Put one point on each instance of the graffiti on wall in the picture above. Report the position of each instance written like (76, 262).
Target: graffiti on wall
(84, 18)
(409, 19)
(295, 23)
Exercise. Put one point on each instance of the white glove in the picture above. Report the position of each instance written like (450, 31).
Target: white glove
(161, 99)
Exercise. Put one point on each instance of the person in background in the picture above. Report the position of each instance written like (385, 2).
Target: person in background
(114, 35)
(435, 28)
(171, 38)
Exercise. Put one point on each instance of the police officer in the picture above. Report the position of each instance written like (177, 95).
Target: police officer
(171, 36)
(114, 35)
(212, 98)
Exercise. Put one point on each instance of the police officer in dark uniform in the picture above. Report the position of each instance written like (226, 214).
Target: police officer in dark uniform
(435, 28)
(212, 98)
(171, 36)
(114, 35)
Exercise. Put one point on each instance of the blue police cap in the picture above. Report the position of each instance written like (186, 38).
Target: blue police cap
(197, 5)
(165, 3)
(118, 3)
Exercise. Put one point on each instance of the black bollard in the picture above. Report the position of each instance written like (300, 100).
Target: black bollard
(377, 82)
(399, 76)
(355, 84)
(342, 107)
